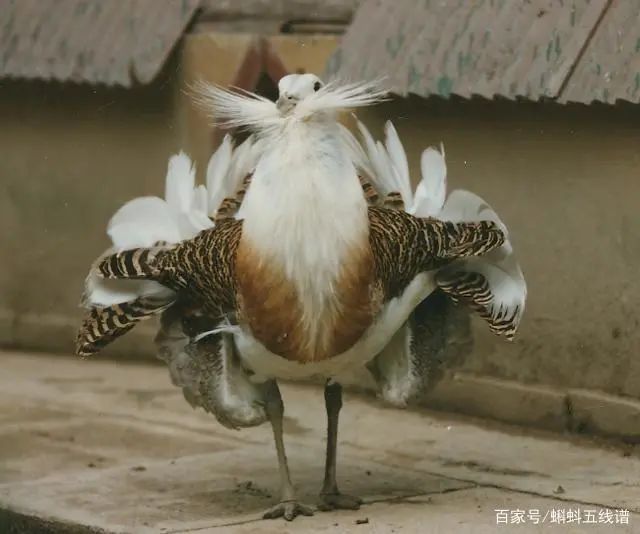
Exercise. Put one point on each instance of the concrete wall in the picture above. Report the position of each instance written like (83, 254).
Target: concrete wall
(566, 180)
(69, 157)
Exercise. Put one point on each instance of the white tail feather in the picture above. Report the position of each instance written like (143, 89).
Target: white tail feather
(145, 221)
(465, 206)
(101, 292)
(200, 199)
(244, 161)
(358, 155)
(217, 171)
(432, 189)
(142, 222)
(506, 283)
(388, 163)
(181, 179)
(383, 180)
(398, 158)
(500, 266)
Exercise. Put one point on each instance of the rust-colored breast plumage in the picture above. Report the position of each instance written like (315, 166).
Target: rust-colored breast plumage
(272, 308)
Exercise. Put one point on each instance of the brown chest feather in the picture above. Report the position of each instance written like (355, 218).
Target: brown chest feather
(269, 304)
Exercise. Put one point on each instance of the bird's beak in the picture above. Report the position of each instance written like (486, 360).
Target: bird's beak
(285, 104)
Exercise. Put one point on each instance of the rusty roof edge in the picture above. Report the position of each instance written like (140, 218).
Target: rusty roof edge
(580, 55)
(308, 10)
(94, 46)
(134, 69)
(596, 31)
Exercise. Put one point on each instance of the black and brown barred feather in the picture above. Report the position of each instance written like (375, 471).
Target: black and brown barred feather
(394, 201)
(473, 289)
(103, 325)
(370, 193)
(202, 269)
(135, 263)
(404, 245)
(230, 205)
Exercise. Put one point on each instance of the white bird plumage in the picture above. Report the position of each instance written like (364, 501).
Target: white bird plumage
(186, 210)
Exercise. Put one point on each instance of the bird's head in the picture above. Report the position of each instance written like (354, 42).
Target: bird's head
(295, 88)
(302, 97)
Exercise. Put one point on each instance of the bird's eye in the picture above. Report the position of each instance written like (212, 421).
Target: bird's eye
(317, 86)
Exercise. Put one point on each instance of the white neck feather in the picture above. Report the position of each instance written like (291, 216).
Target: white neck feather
(306, 212)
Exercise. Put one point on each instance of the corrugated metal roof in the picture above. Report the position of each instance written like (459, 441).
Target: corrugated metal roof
(316, 10)
(113, 42)
(609, 69)
(579, 50)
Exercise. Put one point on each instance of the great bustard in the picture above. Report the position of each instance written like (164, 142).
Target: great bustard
(309, 277)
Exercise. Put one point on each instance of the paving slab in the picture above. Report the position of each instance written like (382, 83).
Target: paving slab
(96, 446)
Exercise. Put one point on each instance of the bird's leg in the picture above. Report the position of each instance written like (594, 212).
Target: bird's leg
(288, 507)
(330, 497)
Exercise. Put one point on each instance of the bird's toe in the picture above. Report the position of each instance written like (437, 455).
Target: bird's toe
(287, 509)
(338, 501)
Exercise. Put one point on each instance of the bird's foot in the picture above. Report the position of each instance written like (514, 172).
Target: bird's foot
(338, 501)
(287, 509)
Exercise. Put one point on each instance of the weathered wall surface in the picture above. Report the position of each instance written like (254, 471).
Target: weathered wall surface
(565, 179)
(70, 156)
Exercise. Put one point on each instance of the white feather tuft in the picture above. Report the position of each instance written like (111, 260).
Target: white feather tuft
(217, 171)
(506, 283)
(145, 221)
(465, 206)
(383, 180)
(432, 189)
(358, 155)
(228, 167)
(238, 108)
(243, 109)
(398, 159)
(142, 222)
(101, 292)
(244, 161)
(181, 179)
(336, 96)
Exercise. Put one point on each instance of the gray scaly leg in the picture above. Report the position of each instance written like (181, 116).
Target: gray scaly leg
(288, 507)
(330, 496)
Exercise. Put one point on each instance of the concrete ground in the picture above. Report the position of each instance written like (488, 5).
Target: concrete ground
(90, 446)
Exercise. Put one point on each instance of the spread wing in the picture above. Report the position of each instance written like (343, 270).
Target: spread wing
(437, 332)
(404, 246)
(200, 271)
(493, 286)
